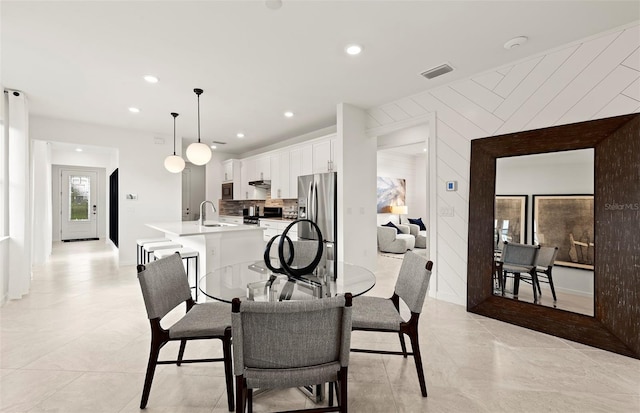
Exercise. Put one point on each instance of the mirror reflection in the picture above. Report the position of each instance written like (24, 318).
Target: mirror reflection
(544, 229)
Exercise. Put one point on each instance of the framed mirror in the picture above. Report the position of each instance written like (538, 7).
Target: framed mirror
(615, 324)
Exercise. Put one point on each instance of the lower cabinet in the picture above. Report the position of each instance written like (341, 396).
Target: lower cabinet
(231, 219)
(277, 227)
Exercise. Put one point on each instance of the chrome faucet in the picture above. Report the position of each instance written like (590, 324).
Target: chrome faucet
(202, 210)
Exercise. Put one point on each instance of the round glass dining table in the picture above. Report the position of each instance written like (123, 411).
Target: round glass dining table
(254, 281)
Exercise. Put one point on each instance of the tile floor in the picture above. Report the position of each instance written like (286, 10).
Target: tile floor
(79, 343)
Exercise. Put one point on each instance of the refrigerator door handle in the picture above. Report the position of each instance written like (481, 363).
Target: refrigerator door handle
(309, 201)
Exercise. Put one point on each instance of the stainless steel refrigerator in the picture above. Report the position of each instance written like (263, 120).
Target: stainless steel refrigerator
(317, 201)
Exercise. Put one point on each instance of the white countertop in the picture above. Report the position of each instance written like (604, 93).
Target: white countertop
(185, 228)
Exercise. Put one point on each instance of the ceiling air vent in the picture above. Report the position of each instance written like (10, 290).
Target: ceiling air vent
(219, 143)
(437, 71)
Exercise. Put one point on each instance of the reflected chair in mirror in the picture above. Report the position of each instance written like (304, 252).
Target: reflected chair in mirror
(164, 286)
(518, 259)
(291, 344)
(379, 314)
(544, 267)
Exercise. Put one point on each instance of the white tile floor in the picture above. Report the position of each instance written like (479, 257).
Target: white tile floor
(79, 343)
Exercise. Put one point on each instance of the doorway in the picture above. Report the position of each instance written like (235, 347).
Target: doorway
(78, 205)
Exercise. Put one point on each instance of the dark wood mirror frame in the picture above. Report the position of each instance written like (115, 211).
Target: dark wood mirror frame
(616, 324)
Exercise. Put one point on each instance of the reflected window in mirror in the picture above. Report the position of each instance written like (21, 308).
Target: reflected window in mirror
(547, 200)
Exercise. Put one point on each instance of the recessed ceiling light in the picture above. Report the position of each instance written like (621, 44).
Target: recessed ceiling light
(353, 49)
(214, 147)
(424, 149)
(78, 149)
(515, 42)
(288, 114)
(240, 135)
(151, 79)
(134, 110)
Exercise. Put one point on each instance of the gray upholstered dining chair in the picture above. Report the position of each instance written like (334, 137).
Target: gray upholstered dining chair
(383, 314)
(544, 268)
(518, 259)
(164, 286)
(291, 344)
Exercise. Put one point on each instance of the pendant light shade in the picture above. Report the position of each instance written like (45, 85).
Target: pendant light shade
(174, 163)
(198, 153)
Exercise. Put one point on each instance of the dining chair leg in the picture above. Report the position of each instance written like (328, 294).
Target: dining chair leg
(331, 394)
(403, 345)
(553, 290)
(228, 369)
(183, 345)
(342, 396)
(240, 394)
(151, 369)
(418, 359)
(250, 400)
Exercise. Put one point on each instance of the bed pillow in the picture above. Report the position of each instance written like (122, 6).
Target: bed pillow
(418, 222)
(391, 224)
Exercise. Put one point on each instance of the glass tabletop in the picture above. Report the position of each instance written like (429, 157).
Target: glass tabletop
(253, 280)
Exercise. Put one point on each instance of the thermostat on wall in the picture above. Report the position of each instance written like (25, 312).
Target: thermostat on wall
(452, 185)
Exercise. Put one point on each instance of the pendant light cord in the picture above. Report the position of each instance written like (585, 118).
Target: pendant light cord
(175, 115)
(198, 118)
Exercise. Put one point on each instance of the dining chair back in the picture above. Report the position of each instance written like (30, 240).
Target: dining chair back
(291, 344)
(518, 259)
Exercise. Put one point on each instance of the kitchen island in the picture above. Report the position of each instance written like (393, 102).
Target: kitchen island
(218, 244)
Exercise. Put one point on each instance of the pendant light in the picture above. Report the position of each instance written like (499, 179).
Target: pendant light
(198, 153)
(174, 163)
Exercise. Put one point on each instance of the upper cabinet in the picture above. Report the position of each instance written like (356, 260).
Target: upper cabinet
(324, 159)
(230, 169)
(263, 168)
(300, 160)
(280, 171)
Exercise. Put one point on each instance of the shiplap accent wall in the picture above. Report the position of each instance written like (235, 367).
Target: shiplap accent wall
(595, 78)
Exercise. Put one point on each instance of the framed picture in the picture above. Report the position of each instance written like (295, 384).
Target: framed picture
(510, 219)
(391, 192)
(566, 222)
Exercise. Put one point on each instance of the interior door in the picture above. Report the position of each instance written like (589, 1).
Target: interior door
(187, 214)
(79, 205)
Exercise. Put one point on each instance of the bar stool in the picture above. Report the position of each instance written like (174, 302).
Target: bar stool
(140, 245)
(186, 254)
(152, 247)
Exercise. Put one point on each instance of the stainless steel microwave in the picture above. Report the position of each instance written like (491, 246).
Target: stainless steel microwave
(227, 191)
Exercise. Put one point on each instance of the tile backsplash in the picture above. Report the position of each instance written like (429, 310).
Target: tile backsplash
(233, 207)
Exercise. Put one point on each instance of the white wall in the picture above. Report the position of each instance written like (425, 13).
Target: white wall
(356, 156)
(589, 79)
(141, 172)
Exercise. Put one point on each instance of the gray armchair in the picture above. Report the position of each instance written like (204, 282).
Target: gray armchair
(420, 236)
(390, 241)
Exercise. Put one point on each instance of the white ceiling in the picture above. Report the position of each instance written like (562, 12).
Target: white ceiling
(84, 61)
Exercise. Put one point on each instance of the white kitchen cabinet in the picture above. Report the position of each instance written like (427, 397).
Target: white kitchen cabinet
(324, 159)
(300, 163)
(247, 174)
(280, 170)
(275, 227)
(263, 168)
(230, 219)
(227, 168)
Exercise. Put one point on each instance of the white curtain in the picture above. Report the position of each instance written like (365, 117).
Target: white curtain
(17, 134)
(41, 200)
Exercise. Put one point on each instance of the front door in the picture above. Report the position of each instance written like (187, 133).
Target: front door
(78, 207)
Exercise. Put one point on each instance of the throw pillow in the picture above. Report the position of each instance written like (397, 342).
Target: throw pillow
(391, 224)
(418, 222)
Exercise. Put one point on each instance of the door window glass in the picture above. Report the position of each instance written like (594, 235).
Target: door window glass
(79, 187)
